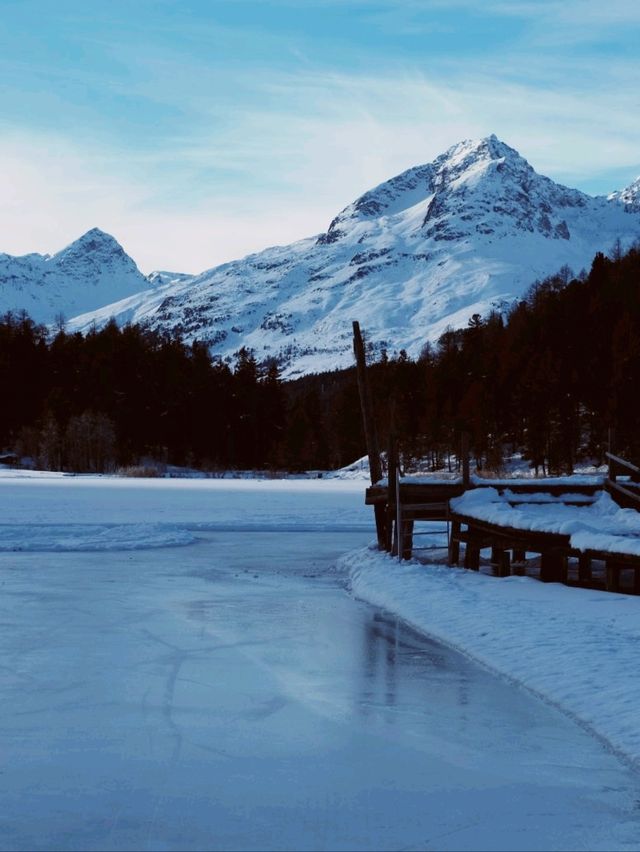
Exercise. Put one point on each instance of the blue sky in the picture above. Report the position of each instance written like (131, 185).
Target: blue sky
(198, 131)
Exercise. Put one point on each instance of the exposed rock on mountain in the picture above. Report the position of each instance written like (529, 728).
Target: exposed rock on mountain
(630, 196)
(84, 276)
(422, 251)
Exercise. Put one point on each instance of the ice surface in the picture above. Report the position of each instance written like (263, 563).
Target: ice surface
(231, 695)
(575, 647)
(85, 537)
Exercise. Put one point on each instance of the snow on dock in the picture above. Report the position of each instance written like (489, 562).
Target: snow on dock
(590, 522)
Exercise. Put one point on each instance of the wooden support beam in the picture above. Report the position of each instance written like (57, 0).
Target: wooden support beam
(392, 496)
(472, 556)
(553, 567)
(464, 454)
(390, 514)
(611, 444)
(612, 575)
(370, 435)
(584, 568)
(394, 519)
(407, 539)
(500, 562)
(454, 543)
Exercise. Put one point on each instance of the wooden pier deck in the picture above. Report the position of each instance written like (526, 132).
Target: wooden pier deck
(399, 503)
(512, 550)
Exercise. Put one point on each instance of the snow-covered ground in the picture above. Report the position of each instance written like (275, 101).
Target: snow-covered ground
(229, 693)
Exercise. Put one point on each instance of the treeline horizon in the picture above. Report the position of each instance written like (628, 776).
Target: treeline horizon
(547, 378)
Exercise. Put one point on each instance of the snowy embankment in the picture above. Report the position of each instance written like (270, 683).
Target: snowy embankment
(576, 648)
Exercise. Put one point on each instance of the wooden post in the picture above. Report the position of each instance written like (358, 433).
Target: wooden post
(407, 539)
(397, 536)
(464, 452)
(505, 564)
(454, 543)
(553, 567)
(518, 558)
(500, 562)
(471, 553)
(371, 438)
(612, 575)
(611, 474)
(390, 509)
(584, 568)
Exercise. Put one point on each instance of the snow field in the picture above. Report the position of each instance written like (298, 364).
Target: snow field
(576, 648)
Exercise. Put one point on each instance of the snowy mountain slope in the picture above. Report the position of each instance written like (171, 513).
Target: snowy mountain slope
(630, 196)
(83, 276)
(420, 252)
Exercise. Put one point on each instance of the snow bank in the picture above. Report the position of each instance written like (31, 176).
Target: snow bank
(599, 524)
(577, 648)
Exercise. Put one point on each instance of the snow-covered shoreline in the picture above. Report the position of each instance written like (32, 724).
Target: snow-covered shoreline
(575, 648)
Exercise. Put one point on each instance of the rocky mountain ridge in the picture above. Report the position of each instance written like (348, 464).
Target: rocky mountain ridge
(84, 276)
(416, 254)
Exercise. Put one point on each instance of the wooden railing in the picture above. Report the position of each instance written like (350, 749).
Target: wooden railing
(627, 495)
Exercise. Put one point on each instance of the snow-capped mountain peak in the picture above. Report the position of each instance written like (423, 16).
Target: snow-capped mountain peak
(425, 250)
(466, 190)
(90, 271)
(98, 249)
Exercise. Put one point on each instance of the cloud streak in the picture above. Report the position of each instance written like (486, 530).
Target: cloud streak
(207, 157)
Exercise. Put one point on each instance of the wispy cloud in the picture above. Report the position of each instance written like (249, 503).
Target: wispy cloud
(196, 149)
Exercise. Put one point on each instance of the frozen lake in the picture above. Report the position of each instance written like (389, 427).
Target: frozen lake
(230, 694)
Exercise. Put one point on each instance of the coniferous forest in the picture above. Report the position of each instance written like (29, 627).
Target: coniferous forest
(548, 378)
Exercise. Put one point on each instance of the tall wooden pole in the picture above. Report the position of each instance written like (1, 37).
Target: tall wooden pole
(370, 435)
(392, 493)
(464, 452)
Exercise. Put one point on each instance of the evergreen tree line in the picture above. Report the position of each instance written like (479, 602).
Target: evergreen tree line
(549, 377)
(116, 396)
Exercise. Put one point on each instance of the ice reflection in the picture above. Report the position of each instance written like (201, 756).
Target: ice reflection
(234, 697)
(401, 667)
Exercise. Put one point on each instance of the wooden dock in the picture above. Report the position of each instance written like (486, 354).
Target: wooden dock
(399, 503)
(510, 550)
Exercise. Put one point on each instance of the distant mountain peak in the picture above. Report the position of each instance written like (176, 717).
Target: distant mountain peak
(94, 240)
(96, 233)
(487, 147)
(477, 186)
(91, 271)
(464, 234)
